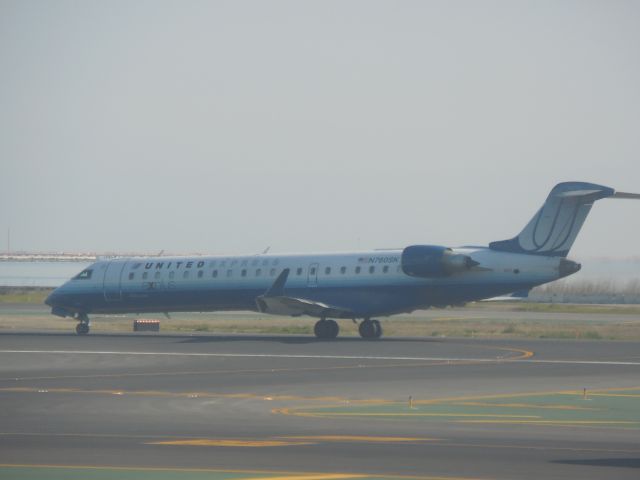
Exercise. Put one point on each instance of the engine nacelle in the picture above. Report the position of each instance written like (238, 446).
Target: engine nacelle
(429, 261)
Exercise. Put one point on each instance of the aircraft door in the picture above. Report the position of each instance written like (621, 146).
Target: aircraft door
(312, 279)
(112, 281)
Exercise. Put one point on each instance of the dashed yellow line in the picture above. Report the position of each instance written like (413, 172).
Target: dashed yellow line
(522, 405)
(554, 422)
(214, 442)
(264, 474)
(634, 395)
(333, 476)
(392, 414)
(361, 438)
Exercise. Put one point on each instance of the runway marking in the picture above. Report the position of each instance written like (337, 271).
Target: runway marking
(539, 447)
(522, 394)
(617, 411)
(523, 405)
(636, 395)
(554, 422)
(362, 438)
(213, 442)
(220, 473)
(412, 414)
(275, 355)
(328, 476)
(238, 371)
(524, 358)
(194, 395)
(285, 441)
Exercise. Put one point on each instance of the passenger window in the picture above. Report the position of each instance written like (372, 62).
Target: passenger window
(185, 274)
(131, 275)
(385, 269)
(372, 269)
(357, 269)
(215, 274)
(157, 275)
(172, 274)
(200, 273)
(243, 272)
(299, 271)
(145, 275)
(258, 272)
(312, 271)
(327, 271)
(229, 273)
(343, 270)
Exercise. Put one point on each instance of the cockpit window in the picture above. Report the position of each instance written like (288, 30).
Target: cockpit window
(84, 275)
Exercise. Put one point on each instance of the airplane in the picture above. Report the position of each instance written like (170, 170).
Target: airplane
(355, 285)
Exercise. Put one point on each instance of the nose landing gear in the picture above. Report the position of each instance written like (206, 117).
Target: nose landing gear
(370, 329)
(83, 326)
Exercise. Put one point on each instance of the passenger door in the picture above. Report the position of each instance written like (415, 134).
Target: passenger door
(111, 284)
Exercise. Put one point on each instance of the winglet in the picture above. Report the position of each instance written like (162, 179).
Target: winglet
(277, 289)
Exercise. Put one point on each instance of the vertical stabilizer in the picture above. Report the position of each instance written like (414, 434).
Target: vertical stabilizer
(555, 227)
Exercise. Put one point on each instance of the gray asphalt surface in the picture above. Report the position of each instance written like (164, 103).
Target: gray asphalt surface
(104, 399)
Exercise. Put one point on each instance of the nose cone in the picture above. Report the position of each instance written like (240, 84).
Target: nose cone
(55, 301)
(51, 299)
(568, 267)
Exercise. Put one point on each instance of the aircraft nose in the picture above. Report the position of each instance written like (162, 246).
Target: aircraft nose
(51, 300)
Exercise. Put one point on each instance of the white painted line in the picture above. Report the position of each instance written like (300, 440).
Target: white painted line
(323, 357)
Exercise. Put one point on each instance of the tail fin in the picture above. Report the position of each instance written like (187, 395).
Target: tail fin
(555, 227)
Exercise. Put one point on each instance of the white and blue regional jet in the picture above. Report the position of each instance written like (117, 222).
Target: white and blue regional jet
(359, 285)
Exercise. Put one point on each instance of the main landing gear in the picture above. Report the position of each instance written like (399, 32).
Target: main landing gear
(83, 326)
(370, 329)
(326, 329)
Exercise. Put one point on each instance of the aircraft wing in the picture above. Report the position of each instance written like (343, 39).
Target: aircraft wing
(274, 301)
(299, 306)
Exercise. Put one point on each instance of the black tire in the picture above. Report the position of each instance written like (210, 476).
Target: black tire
(377, 329)
(320, 329)
(82, 329)
(333, 329)
(367, 329)
(326, 329)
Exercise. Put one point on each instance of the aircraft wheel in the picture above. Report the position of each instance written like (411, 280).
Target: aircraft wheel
(377, 329)
(367, 329)
(333, 329)
(326, 329)
(82, 329)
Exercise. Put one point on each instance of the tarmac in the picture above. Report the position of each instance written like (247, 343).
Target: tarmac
(297, 408)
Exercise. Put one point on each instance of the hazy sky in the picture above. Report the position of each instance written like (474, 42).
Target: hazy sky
(227, 127)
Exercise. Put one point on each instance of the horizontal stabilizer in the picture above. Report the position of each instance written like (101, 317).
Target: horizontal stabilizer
(631, 196)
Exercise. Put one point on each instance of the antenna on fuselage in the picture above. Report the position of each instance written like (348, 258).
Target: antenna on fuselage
(266, 250)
